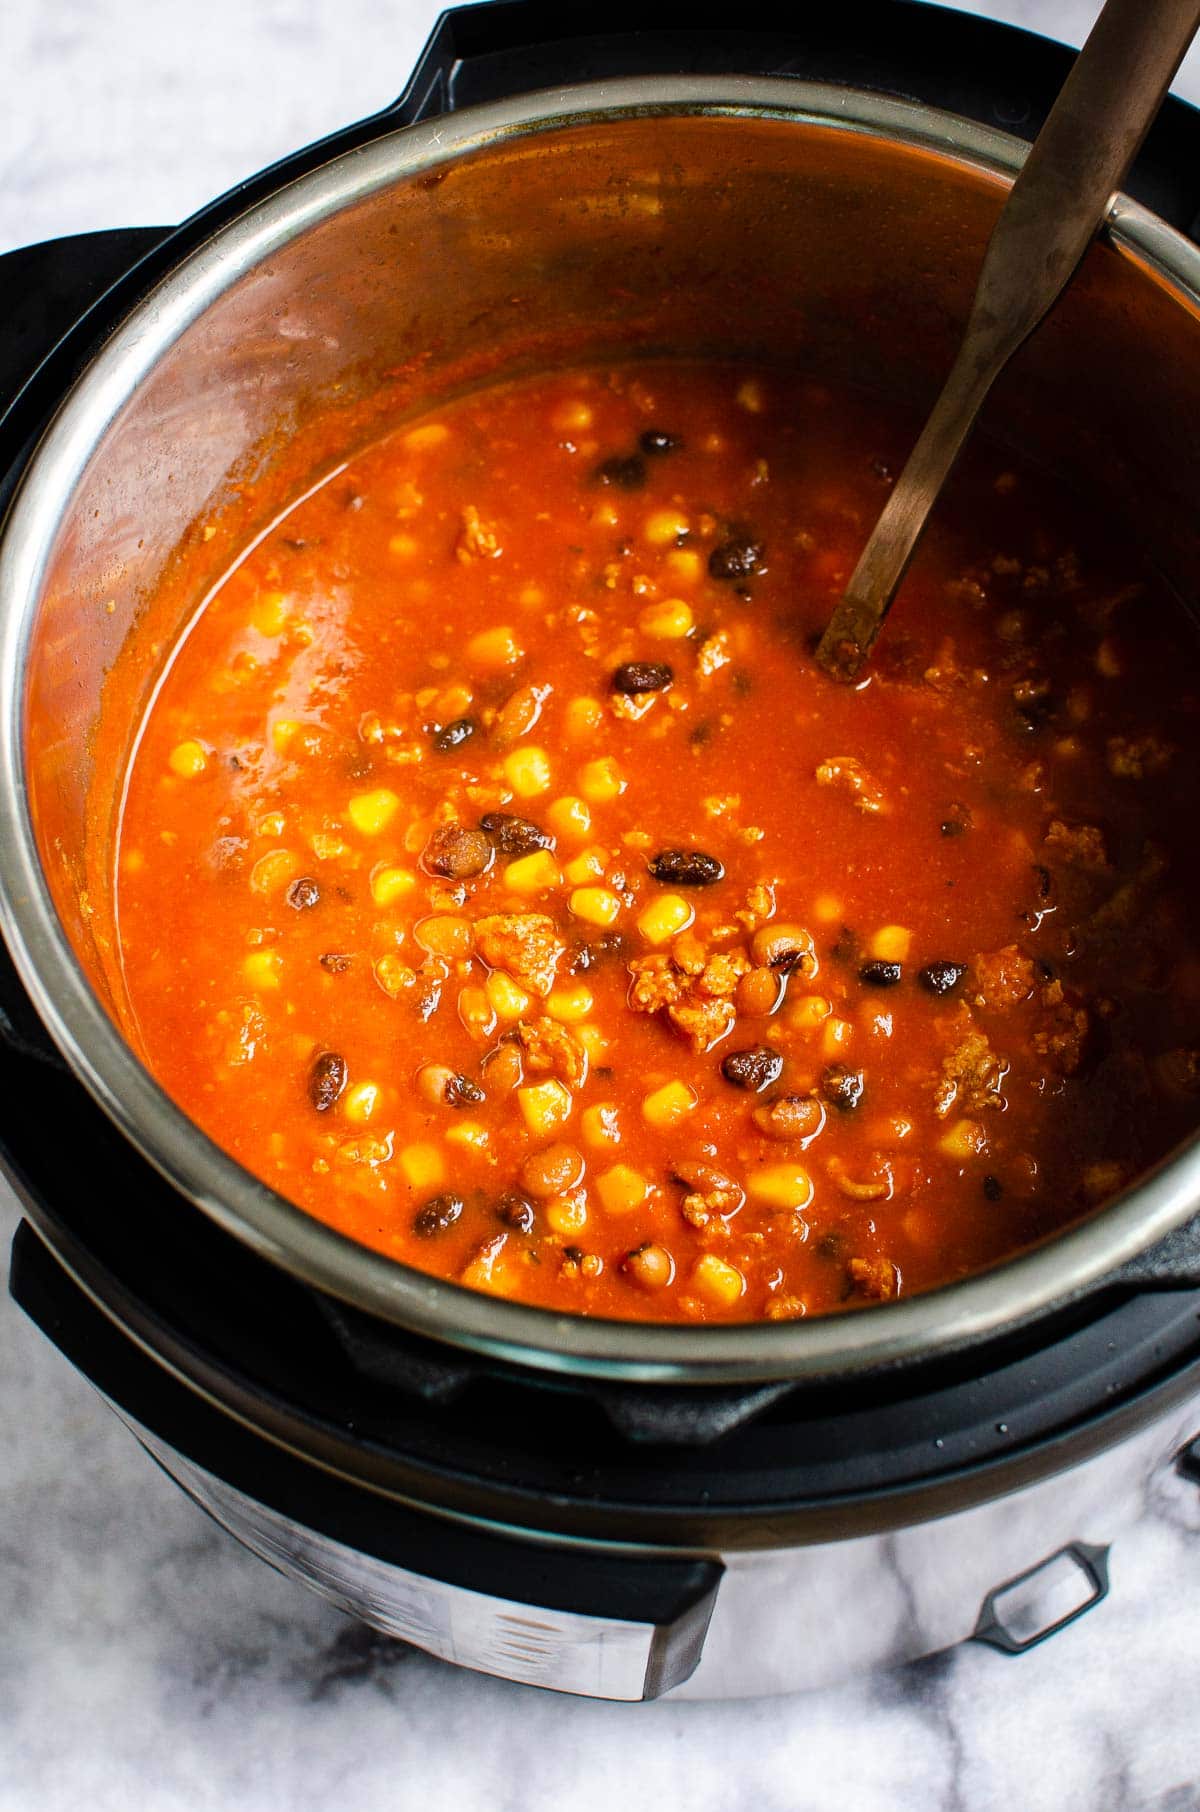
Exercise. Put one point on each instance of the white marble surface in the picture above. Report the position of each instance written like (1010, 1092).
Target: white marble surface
(145, 1661)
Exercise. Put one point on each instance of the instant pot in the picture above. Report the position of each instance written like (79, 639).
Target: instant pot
(619, 1510)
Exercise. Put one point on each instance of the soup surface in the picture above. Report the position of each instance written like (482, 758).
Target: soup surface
(499, 878)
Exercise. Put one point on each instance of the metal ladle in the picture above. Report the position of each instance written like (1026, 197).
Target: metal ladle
(1054, 209)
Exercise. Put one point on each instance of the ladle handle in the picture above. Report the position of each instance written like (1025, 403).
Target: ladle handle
(1061, 196)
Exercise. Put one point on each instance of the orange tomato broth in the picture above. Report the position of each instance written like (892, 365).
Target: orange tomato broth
(942, 999)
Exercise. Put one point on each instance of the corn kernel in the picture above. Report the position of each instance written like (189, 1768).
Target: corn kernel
(494, 648)
(527, 772)
(827, 909)
(422, 1166)
(965, 1140)
(662, 527)
(750, 396)
(664, 917)
(583, 716)
(403, 546)
(595, 905)
(892, 943)
(622, 1189)
(837, 1035)
(684, 564)
(718, 1282)
(284, 732)
(588, 865)
(670, 619)
(371, 813)
(269, 614)
(569, 817)
(476, 1012)
(468, 1133)
(534, 873)
(601, 780)
(668, 1105)
(187, 759)
(810, 1012)
(507, 1001)
(570, 1004)
(599, 1125)
(261, 968)
(274, 870)
(488, 1270)
(567, 1214)
(1108, 661)
(427, 436)
(391, 884)
(572, 417)
(780, 1186)
(360, 1102)
(544, 1106)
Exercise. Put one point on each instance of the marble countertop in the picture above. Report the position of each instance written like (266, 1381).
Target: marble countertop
(145, 1660)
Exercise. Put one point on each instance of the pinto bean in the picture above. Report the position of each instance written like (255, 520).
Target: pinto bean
(758, 993)
(632, 677)
(551, 1171)
(784, 948)
(457, 853)
(798, 1117)
(687, 868)
(651, 1266)
(326, 1080)
(303, 894)
(753, 1069)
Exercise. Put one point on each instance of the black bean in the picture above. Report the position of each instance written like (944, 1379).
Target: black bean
(334, 962)
(326, 1080)
(878, 974)
(627, 472)
(687, 868)
(460, 1091)
(654, 441)
(303, 893)
(739, 556)
(516, 1213)
(841, 1087)
(993, 1188)
(439, 1213)
(848, 947)
(956, 821)
(514, 836)
(755, 1068)
(454, 734)
(1045, 881)
(942, 978)
(595, 951)
(457, 853)
(641, 676)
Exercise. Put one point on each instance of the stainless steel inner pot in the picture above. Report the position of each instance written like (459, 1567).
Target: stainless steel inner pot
(816, 227)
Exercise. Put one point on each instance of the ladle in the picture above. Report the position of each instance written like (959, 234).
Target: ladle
(1054, 209)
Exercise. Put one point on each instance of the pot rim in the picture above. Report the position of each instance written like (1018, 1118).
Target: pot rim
(921, 1326)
